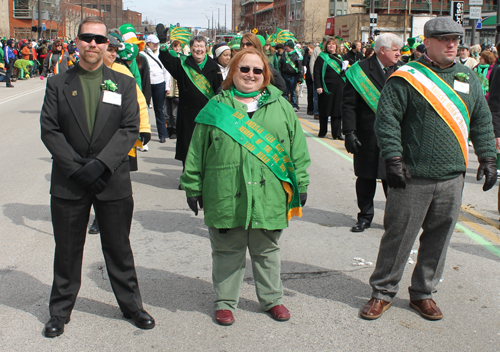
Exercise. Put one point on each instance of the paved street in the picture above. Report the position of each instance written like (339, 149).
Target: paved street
(324, 285)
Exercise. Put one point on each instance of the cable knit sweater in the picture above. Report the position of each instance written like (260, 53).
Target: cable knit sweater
(408, 126)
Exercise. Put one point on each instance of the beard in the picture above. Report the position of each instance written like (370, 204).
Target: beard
(92, 57)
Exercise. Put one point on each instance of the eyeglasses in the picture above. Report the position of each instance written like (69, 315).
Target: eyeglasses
(447, 40)
(246, 69)
(88, 37)
(247, 44)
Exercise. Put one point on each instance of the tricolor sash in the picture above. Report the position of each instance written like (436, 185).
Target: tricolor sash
(198, 79)
(334, 64)
(257, 141)
(443, 98)
(363, 85)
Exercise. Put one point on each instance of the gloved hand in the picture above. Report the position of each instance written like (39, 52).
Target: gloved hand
(303, 199)
(145, 137)
(488, 168)
(193, 203)
(89, 173)
(396, 172)
(352, 143)
(98, 186)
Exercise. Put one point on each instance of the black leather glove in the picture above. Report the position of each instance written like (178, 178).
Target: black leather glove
(487, 167)
(303, 199)
(396, 172)
(89, 173)
(145, 137)
(98, 186)
(352, 142)
(193, 203)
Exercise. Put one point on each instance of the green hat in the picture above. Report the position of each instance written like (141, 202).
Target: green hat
(262, 40)
(128, 52)
(405, 50)
(129, 35)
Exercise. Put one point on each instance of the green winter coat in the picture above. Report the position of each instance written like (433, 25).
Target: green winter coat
(237, 188)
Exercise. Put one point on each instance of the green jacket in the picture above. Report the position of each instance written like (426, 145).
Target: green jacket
(237, 188)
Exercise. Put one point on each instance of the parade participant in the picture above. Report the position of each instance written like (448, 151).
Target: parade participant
(309, 79)
(251, 125)
(250, 40)
(483, 70)
(9, 58)
(329, 79)
(369, 52)
(359, 106)
(465, 59)
(172, 98)
(419, 51)
(222, 54)
(160, 83)
(89, 122)
(270, 52)
(57, 61)
(198, 77)
(495, 65)
(292, 71)
(314, 55)
(354, 55)
(424, 116)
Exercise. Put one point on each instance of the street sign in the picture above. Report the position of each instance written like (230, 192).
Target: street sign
(475, 12)
(373, 19)
(475, 2)
(255, 31)
(43, 27)
(457, 12)
(479, 23)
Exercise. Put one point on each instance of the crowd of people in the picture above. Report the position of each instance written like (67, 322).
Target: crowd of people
(408, 112)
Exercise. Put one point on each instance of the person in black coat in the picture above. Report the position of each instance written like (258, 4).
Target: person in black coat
(329, 85)
(309, 79)
(358, 125)
(354, 55)
(191, 98)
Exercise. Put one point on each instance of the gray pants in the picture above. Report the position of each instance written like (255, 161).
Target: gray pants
(171, 114)
(431, 205)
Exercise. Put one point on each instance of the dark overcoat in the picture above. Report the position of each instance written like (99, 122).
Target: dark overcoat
(357, 116)
(334, 83)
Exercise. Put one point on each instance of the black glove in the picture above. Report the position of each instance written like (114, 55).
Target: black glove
(488, 168)
(396, 172)
(193, 203)
(145, 137)
(303, 199)
(89, 173)
(161, 31)
(352, 143)
(97, 187)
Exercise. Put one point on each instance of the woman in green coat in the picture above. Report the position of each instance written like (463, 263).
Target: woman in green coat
(246, 166)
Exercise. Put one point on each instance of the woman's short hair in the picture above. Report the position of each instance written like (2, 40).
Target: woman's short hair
(488, 57)
(175, 43)
(387, 40)
(235, 61)
(369, 52)
(334, 41)
(56, 43)
(252, 38)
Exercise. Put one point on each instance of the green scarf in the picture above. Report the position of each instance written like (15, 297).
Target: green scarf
(198, 79)
(334, 64)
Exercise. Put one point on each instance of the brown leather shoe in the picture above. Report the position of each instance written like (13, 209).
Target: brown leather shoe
(224, 317)
(280, 313)
(427, 308)
(374, 309)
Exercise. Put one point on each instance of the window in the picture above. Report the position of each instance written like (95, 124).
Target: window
(339, 12)
(332, 12)
(108, 8)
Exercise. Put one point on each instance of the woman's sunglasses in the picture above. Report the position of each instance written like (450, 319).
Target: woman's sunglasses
(88, 37)
(246, 44)
(246, 69)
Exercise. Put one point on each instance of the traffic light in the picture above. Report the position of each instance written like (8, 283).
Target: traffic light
(34, 29)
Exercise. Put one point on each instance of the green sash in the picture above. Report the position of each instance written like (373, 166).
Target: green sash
(334, 64)
(288, 61)
(198, 79)
(363, 86)
(257, 141)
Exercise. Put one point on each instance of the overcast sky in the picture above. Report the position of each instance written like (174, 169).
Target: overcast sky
(189, 13)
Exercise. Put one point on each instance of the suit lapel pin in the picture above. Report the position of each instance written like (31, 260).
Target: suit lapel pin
(74, 93)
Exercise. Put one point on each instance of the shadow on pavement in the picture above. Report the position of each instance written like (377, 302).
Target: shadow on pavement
(162, 161)
(172, 221)
(326, 218)
(476, 250)
(19, 212)
(168, 180)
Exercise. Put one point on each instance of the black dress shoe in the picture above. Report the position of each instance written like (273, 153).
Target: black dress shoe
(141, 319)
(55, 326)
(360, 226)
(94, 228)
(340, 138)
(162, 140)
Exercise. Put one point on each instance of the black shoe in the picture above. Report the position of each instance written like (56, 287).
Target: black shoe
(340, 138)
(322, 135)
(173, 136)
(141, 319)
(360, 226)
(55, 326)
(309, 113)
(162, 140)
(94, 228)
(10, 86)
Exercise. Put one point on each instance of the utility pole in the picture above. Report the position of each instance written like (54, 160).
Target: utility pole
(116, 13)
(255, 13)
(497, 36)
(81, 12)
(286, 13)
(39, 27)
(473, 32)
(372, 10)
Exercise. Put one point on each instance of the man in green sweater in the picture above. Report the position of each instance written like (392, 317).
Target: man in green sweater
(427, 111)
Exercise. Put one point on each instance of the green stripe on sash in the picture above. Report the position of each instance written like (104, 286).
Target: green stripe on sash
(334, 64)
(363, 86)
(198, 79)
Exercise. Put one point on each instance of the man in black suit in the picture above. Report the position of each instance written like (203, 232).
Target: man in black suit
(358, 118)
(89, 123)
(354, 55)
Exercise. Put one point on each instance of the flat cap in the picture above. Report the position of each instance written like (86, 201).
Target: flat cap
(442, 26)
(113, 42)
(464, 46)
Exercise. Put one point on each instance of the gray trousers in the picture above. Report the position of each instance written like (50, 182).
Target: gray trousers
(431, 205)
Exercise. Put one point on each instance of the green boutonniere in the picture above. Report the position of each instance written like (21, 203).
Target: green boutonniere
(462, 77)
(109, 85)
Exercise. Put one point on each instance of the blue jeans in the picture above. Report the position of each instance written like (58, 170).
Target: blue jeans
(158, 96)
(291, 88)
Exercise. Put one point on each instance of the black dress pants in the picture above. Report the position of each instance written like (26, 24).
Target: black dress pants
(365, 191)
(69, 220)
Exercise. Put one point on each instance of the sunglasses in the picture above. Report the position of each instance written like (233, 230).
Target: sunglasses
(246, 44)
(246, 69)
(89, 37)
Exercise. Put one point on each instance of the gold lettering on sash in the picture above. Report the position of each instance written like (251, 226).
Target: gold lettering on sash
(282, 167)
(260, 130)
(269, 137)
(238, 115)
(259, 141)
(245, 131)
(286, 159)
(280, 148)
(249, 146)
(268, 149)
(263, 157)
(276, 158)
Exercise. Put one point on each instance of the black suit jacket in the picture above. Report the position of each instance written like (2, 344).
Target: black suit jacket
(65, 133)
(357, 116)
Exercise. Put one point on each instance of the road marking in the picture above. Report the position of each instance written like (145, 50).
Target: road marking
(21, 95)
(311, 129)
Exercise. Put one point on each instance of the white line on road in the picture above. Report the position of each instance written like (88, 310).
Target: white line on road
(21, 95)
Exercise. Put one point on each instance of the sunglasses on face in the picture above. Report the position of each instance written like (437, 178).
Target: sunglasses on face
(246, 69)
(247, 44)
(88, 37)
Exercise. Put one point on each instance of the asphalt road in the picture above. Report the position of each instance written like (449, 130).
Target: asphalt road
(324, 289)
